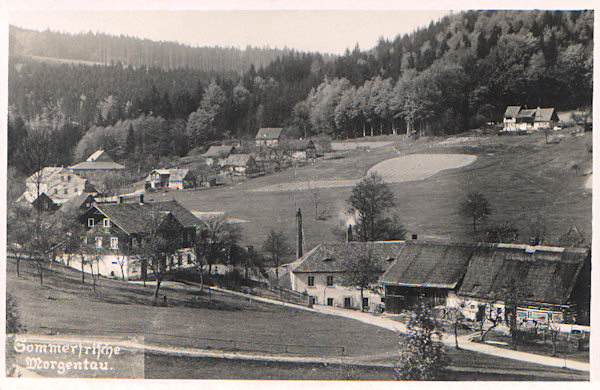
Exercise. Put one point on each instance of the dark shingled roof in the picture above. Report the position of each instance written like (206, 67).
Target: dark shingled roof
(238, 160)
(329, 257)
(137, 218)
(512, 111)
(76, 202)
(526, 113)
(429, 264)
(545, 115)
(301, 144)
(269, 133)
(219, 151)
(546, 274)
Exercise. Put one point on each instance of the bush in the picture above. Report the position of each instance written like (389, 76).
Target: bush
(13, 318)
(424, 357)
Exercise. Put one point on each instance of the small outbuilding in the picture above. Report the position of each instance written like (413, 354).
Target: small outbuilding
(303, 149)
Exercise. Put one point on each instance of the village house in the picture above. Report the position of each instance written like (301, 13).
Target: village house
(116, 229)
(218, 154)
(268, 136)
(320, 273)
(303, 149)
(57, 183)
(239, 165)
(517, 118)
(96, 166)
(550, 284)
(173, 178)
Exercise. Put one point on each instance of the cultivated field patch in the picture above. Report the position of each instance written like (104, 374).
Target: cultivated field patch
(419, 166)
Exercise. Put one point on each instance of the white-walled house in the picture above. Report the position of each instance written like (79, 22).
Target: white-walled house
(114, 231)
(320, 273)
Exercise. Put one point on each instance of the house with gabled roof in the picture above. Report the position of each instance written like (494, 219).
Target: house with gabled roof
(517, 118)
(171, 178)
(239, 165)
(58, 183)
(320, 272)
(268, 136)
(302, 149)
(116, 229)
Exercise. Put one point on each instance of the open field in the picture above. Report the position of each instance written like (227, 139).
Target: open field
(125, 309)
(69, 307)
(357, 144)
(521, 176)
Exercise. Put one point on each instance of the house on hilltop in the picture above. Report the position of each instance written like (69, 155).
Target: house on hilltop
(117, 229)
(173, 178)
(98, 162)
(320, 272)
(517, 118)
(550, 284)
(268, 136)
(57, 183)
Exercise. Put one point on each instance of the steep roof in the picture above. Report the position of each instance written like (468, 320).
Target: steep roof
(544, 274)
(512, 111)
(138, 218)
(429, 264)
(238, 160)
(97, 165)
(545, 115)
(302, 144)
(45, 174)
(526, 113)
(76, 202)
(329, 257)
(265, 133)
(219, 151)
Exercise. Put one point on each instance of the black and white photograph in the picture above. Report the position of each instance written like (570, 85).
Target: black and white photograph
(297, 194)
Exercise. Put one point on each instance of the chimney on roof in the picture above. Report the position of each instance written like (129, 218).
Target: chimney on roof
(349, 234)
(299, 238)
(414, 236)
(141, 198)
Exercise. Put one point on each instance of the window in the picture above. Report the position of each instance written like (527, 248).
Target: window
(69, 178)
(90, 222)
(347, 302)
(329, 301)
(330, 280)
(365, 302)
(529, 314)
(98, 242)
(311, 281)
(179, 260)
(66, 191)
(189, 259)
(312, 300)
(106, 222)
(114, 243)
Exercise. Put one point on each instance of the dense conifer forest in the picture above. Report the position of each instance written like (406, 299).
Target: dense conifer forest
(153, 100)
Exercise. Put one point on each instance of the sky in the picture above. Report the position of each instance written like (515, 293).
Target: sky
(326, 31)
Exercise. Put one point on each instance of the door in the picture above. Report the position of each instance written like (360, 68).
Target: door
(347, 302)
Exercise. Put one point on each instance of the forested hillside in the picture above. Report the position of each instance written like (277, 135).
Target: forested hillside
(451, 76)
(136, 52)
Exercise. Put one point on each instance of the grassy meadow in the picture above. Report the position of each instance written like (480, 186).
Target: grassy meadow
(523, 177)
